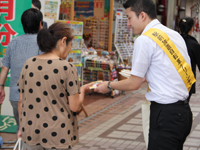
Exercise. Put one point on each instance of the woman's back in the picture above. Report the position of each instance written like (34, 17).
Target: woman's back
(46, 116)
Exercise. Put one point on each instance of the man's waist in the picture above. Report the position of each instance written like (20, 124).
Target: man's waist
(180, 102)
(165, 98)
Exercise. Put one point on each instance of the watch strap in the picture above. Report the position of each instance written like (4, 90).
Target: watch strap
(109, 87)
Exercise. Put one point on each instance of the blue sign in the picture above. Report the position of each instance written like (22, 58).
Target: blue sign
(84, 8)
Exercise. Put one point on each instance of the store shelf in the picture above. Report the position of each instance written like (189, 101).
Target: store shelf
(123, 37)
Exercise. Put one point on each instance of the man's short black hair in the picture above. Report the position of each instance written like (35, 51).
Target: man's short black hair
(37, 3)
(31, 19)
(138, 6)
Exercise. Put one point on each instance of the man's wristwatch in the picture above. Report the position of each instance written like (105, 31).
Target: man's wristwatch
(109, 87)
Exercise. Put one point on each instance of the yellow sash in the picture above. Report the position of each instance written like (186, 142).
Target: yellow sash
(183, 68)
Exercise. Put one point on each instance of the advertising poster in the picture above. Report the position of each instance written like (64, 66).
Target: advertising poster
(107, 8)
(84, 8)
(51, 9)
(195, 16)
(10, 23)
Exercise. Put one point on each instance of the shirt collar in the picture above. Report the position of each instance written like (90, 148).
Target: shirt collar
(150, 25)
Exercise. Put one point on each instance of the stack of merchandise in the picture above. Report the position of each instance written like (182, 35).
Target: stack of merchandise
(99, 62)
(125, 72)
(89, 76)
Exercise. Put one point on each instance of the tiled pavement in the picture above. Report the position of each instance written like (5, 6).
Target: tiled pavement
(119, 127)
(116, 123)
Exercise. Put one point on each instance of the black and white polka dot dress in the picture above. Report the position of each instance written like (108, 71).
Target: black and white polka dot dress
(46, 117)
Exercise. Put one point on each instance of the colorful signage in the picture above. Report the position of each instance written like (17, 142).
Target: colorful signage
(84, 8)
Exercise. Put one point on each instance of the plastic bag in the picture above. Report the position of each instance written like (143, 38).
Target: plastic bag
(18, 144)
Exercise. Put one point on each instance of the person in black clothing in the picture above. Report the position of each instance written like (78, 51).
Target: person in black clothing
(186, 26)
(37, 5)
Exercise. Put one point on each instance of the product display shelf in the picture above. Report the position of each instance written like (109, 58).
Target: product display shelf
(103, 33)
(95, 33)
(75, 54)
(97, 69)
(123, 37)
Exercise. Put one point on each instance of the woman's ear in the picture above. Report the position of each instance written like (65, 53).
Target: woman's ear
(63, 40)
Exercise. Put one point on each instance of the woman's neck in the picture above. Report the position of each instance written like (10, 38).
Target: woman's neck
(49, 55)
(190, 32)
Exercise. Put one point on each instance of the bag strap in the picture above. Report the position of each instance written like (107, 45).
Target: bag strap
(164, 42)
(18, 143)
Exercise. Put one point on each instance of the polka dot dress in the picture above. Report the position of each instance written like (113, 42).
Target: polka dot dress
(46, 117)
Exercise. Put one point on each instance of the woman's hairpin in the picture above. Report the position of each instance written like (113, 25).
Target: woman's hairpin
(183, 20)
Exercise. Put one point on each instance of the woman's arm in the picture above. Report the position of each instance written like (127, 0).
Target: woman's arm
(3, 75)
(76, 100)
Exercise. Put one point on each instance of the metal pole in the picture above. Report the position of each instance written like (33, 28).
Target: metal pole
(110, 25)
(171, 12)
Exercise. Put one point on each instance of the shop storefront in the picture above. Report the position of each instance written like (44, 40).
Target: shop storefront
(103, 43)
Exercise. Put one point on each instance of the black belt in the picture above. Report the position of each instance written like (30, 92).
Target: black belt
(185, 102)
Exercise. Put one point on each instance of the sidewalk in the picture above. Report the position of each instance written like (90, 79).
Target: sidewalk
(116, 123)
(119, 124)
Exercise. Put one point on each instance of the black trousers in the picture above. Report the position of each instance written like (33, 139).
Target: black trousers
(170, 124)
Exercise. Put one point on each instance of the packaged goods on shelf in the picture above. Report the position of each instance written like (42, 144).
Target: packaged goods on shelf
(89, 76)
(125, 72)
(77, 43)
(99, 62)
(103, 36)
(88, 51)
(123, 39)
(75, 56)
(95, 33)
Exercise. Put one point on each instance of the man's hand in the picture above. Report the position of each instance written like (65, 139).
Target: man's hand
(2, 94)
(102, 88)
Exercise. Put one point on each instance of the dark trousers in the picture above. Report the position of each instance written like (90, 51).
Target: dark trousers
(170, 124)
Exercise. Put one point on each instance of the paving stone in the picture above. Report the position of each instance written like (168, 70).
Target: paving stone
(120, 127)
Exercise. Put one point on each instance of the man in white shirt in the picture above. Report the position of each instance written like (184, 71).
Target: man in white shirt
(170, 114)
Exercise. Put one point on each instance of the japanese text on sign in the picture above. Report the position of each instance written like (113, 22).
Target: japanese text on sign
(7, 34)
(98, 3)
(7, 7)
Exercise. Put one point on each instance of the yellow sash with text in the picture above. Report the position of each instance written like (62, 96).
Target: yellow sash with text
(183, 68)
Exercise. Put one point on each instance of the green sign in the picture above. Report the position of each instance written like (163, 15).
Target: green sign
(10, 23)
(8, 124)
(106, 8)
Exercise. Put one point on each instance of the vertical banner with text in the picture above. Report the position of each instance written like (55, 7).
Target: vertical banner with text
(10, 23)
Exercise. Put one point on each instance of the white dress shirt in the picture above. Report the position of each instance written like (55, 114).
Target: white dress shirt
(150, 61)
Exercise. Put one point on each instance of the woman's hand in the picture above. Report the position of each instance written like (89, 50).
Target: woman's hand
(19, 134)
(86, 87)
